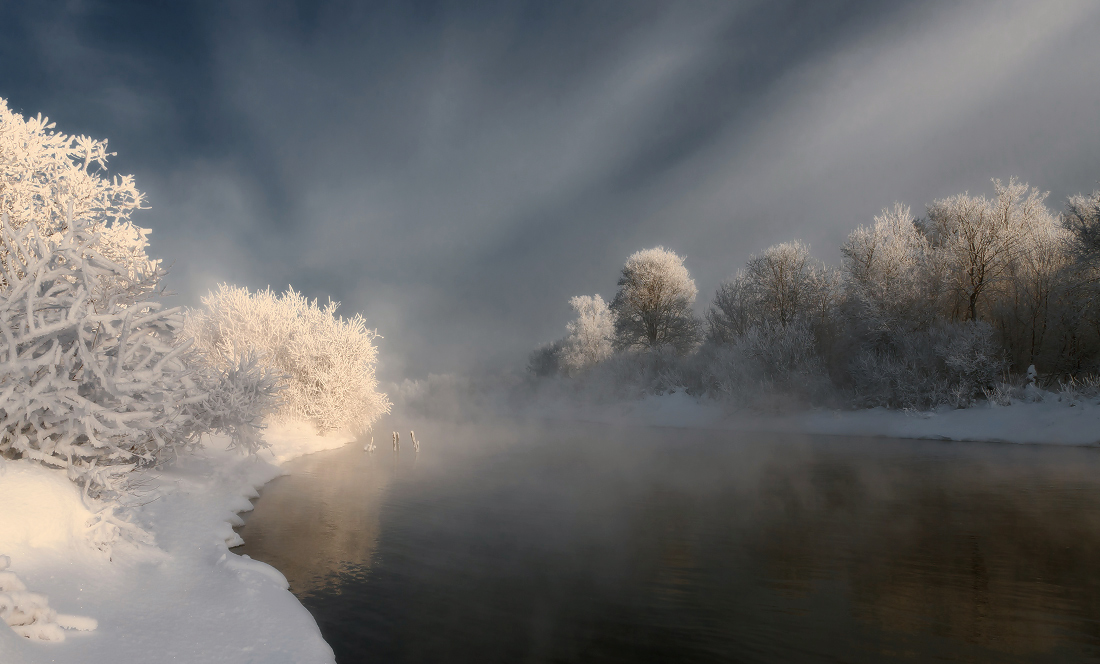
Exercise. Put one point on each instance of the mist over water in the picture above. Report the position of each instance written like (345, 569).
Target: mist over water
(577, 542)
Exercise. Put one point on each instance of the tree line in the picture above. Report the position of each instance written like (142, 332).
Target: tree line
(950, 307)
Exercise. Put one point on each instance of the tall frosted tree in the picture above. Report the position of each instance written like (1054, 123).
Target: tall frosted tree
(980, 239)
(1032, 311)
(778, 288)
(1082, 221)
(891, 275)
(653, 306)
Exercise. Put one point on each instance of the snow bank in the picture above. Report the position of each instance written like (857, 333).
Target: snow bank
(41, 508)
(1047, 423)
(184, 598)
(1050, 421)
(289, 440)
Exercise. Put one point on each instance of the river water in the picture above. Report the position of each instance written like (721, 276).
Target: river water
(585, 543)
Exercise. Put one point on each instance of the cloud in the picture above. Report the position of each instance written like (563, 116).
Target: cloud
(457, 172)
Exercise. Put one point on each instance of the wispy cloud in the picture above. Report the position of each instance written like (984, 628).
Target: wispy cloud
(456, 172)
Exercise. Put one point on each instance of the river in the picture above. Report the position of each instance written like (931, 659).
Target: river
(554, 542)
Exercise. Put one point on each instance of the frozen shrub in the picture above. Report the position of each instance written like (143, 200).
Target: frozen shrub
(546, 359)
(1001, 394)
(324, 363)
(635, 374)
(237, 399)
(764, 364)
(97, 387)
(950, 363)
(782, 353)
(1075, 389)
(587, 341)
(49, 179)
(95, 376)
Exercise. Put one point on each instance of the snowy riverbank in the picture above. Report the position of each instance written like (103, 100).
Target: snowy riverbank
(1050, 421)
(184, 598)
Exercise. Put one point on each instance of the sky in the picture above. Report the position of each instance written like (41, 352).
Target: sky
(457, 171)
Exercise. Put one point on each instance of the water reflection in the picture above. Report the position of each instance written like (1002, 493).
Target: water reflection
(582, 544)
(323, 516)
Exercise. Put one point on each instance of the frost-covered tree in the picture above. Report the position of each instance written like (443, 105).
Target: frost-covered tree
(324, 362)
(1033, 311)
(980, 238)
(765, 326)
(652, 307)
(786, 283)
(733, 312)
(779, 287)
(1006, 262)
(892, 278)
(588, 338)
(1082, 220)
(1081, 345)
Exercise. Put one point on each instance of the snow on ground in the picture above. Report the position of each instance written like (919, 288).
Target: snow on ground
(1050, 421)
(186, 598)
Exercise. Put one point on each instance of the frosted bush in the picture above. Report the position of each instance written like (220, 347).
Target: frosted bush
(1001, 394)
(324, 363)
(49, 179)
(95, 376)
(782, 353)
(635, 374)
(764, 364)
(546, 359)
(97, 387)
(237, 399)
(1075, 389)
(588, 341)
(950, 363)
